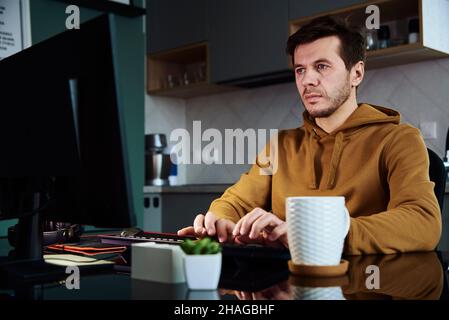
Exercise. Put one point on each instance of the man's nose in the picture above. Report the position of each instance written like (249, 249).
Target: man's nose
(310, 78)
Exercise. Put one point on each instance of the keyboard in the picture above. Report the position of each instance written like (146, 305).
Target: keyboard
(158, 237)
(228, 250)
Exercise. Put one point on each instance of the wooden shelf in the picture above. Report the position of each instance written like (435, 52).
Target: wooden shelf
(399, 55)
(181, 73)
(396, 13)
(390, 10)
(109, 6)
(193, 90)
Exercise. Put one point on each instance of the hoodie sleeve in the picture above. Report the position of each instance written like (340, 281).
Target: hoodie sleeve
(412, 221)
(253, 190)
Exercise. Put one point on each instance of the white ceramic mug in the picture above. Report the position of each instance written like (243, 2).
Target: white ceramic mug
(324, 293)
(317, 227)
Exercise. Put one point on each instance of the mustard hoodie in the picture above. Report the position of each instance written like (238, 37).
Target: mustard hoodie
(381, 167)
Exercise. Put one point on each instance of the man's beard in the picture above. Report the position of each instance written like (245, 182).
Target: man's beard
(341, 96)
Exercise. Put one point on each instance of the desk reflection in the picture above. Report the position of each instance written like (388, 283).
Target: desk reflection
(411, 276)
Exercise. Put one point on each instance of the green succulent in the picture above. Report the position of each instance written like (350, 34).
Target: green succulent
(201, 246)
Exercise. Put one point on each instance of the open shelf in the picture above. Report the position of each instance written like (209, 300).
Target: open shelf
(390, 10)
(402, 54)
(191, 91)
(181, 72)
(396, 14)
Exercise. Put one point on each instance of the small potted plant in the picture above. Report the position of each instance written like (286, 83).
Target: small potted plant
(202, 263)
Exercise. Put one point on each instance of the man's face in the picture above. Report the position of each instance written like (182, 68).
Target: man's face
(321, 76)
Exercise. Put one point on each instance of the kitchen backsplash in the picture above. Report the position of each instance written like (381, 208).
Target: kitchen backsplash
(420, 92)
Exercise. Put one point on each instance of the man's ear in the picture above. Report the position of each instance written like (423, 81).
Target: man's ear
(357, 73)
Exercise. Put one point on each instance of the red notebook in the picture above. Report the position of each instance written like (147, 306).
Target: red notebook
(87, 248)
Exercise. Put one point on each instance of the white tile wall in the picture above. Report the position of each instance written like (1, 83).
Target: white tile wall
(420, 92)
(162, 115)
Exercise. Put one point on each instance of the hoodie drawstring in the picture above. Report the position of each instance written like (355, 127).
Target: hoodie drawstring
(335, 159)
(312, 145)
(336, 154)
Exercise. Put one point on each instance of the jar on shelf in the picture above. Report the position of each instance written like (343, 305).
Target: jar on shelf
(383, 35)
(413, 30)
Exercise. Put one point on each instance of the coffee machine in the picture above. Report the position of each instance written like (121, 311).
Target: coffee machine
(157, 163)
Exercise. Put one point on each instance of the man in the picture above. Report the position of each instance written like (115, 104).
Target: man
(358, 151)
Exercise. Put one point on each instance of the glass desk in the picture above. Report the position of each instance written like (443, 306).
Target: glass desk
(414, 276)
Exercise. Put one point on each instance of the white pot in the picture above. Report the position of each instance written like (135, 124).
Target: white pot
(202, 271)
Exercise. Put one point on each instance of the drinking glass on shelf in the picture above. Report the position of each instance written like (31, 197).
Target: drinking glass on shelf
(186, 80)
(196, 76)
(201, 72)
(170, 81)
(371, 39)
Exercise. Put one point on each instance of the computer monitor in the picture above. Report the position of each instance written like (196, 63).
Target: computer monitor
(62, 134)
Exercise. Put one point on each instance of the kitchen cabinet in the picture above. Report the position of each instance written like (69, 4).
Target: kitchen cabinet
(170, 208)
(433, 19)
(242, 43)
(247, 38)
(303, 8)
(171, 212)
(175, 23)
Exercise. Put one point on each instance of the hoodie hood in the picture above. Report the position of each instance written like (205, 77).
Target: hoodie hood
(363, 116)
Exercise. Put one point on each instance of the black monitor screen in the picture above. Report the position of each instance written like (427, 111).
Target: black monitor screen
(61, 119)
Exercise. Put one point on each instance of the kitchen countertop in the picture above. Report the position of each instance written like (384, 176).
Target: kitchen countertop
(202, 188)
(187, 188)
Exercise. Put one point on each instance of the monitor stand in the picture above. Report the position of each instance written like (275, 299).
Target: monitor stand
(29, 233)
(26, 265)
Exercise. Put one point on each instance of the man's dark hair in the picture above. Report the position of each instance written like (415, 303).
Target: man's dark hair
(352, 41)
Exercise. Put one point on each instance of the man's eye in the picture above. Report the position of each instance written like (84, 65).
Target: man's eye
(321, 67)
(300, 70)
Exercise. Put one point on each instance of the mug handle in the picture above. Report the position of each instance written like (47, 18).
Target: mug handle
(347, 223)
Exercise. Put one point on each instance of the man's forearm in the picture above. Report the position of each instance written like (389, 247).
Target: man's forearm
(396, 230)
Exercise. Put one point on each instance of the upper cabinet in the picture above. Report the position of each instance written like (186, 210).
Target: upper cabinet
(199, 47)
(175, 23)
(303, 8)
(247, 40)
(410, 30)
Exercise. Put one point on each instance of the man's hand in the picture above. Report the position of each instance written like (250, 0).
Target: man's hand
(262, 227)
(209, 225)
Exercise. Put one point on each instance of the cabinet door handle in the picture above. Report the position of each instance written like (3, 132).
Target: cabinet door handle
(156, 202)
(146, 202)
